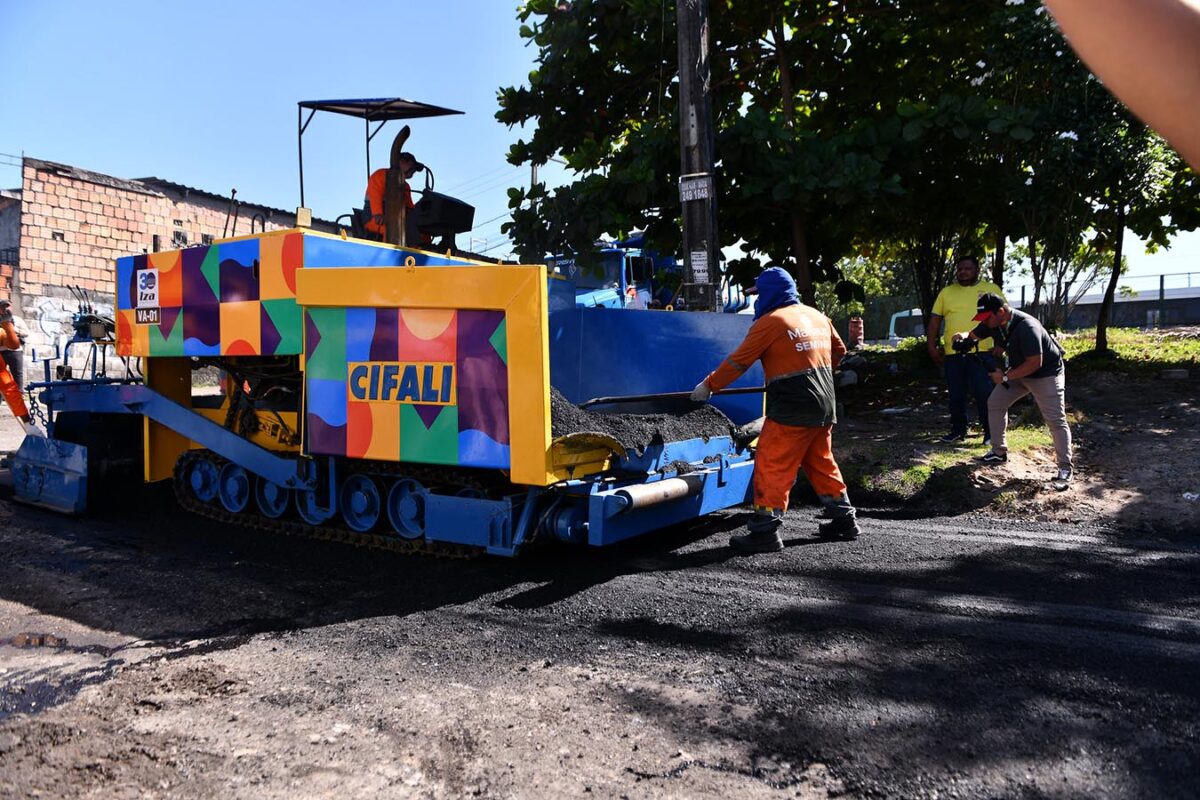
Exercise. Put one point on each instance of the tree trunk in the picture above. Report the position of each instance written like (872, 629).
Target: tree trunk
(927, 272)
(1110, 291)
(803, 275)
(998, 261)
(804, 280)
(1036, 272)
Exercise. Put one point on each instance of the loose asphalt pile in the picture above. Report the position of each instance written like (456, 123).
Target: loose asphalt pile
(637, 431)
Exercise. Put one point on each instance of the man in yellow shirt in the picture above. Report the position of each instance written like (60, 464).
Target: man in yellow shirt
(966, 373)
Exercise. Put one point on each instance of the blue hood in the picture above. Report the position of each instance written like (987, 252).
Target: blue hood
(776, 289)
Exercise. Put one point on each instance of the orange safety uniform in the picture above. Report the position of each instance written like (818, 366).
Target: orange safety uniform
(376, 189)
(799, 348)
(8, 385)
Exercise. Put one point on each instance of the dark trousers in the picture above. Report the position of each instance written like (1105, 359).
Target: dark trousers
(15, 359)
(967, 376)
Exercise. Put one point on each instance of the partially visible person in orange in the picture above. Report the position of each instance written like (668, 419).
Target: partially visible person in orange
(11, 389)
(377, 189)
(799, 348)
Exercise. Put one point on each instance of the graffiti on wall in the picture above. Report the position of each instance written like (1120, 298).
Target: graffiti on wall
(50, 327)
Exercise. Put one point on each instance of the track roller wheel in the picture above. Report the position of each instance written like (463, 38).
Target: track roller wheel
(406, 508)
(271, 498)
(234, 488)
(361, 503)
(203, 477)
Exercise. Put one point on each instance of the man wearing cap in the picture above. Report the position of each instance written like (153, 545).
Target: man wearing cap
(1035, 366)
(966, 373)
(799, 348)
(377, 188)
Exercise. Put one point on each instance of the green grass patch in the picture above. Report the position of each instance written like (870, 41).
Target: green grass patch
(900, 469)
(1005, 501)
(945, 459)
(904, 483)
(1023, 439)
(910, 355)
(1133, 351)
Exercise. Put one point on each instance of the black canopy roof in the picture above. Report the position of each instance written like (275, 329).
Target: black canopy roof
(379, 109)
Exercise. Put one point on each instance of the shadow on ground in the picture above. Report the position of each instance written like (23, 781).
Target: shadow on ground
(157, 573)
(1066, 691)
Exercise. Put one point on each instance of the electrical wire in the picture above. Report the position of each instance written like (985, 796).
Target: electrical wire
(483, 175)
(486, 221)
(504, 179)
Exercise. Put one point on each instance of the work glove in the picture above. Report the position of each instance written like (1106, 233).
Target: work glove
(701, 392)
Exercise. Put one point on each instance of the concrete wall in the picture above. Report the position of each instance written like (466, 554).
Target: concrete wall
(10, 222)
(1139, 313)
(10, 240)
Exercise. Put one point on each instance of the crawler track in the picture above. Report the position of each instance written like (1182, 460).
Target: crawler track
(331, 531)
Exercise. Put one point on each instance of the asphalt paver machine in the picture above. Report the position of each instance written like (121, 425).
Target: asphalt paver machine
(384, 395)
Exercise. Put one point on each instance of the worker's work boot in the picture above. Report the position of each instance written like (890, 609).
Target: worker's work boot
(762, 533)
(842, 528)
(761, 542)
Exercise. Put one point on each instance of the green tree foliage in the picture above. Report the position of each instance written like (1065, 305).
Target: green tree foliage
(602, 98)
(1144, 187)
(928, 130)
(792, 175)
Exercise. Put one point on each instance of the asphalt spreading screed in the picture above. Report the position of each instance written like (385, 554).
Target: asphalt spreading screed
(637, 431)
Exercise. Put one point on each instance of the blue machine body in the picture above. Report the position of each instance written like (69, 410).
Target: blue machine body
(51, 473)
(599, 352)
(627, 275)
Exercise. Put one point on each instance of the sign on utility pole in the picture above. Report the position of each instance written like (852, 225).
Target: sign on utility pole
(697, 194)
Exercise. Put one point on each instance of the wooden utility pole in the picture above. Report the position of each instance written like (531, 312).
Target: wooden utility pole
(697, 193)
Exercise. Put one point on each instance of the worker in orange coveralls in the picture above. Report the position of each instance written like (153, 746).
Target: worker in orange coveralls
(8, 384)
(799, 348)
(377, 189)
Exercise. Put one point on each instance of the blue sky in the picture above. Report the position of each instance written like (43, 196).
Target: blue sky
(205, 94)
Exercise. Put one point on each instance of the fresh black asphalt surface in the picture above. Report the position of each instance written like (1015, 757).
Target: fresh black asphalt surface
(948, 657)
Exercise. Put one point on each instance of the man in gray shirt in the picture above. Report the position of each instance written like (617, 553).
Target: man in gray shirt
(1035, 366)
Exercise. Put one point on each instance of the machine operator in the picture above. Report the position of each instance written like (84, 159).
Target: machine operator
(377, 189)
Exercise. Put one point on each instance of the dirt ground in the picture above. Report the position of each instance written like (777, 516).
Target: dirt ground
(1136, 442)
(987, 636)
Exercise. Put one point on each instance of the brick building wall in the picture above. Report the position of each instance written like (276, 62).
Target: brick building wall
(74, 224)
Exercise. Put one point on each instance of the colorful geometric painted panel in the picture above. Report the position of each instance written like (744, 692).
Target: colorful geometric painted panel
(425, 385)
(232, 298)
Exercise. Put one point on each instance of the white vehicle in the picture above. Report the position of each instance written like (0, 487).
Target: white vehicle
(906, 325)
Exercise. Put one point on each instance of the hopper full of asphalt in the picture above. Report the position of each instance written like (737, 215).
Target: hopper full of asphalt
(636, 432)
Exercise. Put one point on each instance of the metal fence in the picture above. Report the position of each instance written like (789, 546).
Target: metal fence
(1142, 301)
